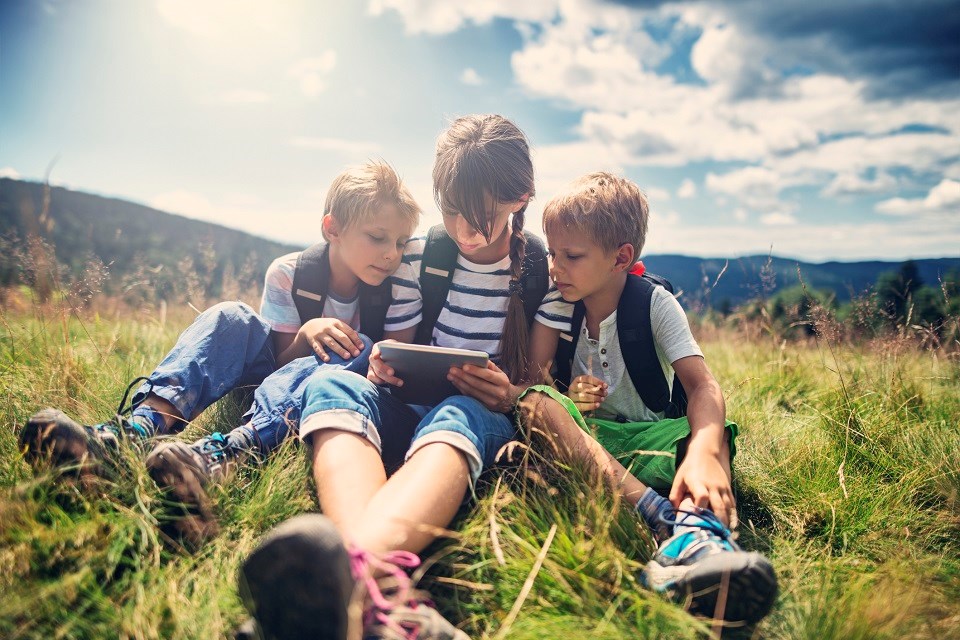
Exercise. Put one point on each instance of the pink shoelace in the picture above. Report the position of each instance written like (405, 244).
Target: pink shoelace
(364, 564)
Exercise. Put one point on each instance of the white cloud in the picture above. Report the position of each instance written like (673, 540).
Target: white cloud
(312, 73)
(687, 189)
(942, 200)
(442, 16)
(471, 77)
(244, 96)
(356, 148)
(853, 184)
(9, 172)
(656, 194)
(244, 212)
(778, 218)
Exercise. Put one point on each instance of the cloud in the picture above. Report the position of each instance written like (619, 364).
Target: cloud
(244, 212)
(471, 77)
(439, 17)
(9, 172)
(244, 96)
(656, 194)
(687, 189)
(855, 184)
(778, 218)
(943, 200)
(356, 148)
(312, 73)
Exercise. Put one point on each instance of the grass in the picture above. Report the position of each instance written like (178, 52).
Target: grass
(847, 476)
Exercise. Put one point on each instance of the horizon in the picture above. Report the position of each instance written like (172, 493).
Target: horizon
(809, 133)
(422, 232)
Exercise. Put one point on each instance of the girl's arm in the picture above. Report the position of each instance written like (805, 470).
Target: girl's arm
(492, 387)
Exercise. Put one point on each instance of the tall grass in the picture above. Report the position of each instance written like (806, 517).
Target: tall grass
(847, 475)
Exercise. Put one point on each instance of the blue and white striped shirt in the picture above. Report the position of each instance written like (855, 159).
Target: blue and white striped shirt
(476, 305)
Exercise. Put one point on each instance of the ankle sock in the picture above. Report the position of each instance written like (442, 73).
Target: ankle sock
(147, 421)
(651, 506)
(243, 438)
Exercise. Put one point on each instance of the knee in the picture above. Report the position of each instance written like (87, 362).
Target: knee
(231, 311)
(533, 406)
(333, 383)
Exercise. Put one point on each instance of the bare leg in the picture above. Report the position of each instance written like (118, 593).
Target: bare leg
(545, 413)
(171, 415)
(422, 496)
(349, 472)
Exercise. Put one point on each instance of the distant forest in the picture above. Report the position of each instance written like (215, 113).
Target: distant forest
(153, 255)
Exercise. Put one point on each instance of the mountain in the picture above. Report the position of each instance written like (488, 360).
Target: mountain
(130, 236)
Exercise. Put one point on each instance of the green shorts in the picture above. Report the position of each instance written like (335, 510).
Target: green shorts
(647, 449)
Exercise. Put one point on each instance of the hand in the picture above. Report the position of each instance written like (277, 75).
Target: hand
(323, 334)
(380, 372)
(489, 385)
(701, 478)
(587, 392)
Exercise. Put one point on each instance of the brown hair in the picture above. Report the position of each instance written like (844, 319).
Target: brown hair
(483, 159)
(357, 194)
(609, 209)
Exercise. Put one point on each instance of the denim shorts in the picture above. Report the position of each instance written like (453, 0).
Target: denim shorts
(346, 401)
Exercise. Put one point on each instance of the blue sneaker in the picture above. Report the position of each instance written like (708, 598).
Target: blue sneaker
(703, 569)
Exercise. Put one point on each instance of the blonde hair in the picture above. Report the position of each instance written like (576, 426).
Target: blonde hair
(609, 209)
(482, 161)
(358, 194)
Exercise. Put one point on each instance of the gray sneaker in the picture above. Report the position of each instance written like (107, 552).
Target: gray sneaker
(184, 471)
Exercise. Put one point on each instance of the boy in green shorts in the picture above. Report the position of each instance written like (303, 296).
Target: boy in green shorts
(655, 415)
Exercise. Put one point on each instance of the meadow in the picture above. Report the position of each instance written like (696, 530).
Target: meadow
(847, 475)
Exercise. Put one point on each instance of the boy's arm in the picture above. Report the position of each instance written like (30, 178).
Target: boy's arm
(702, 475)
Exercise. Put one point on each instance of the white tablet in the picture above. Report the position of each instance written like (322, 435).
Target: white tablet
(423, 370)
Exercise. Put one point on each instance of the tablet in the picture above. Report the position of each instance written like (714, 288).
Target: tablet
(423, 370)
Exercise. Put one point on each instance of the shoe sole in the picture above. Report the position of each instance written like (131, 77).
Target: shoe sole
(297, 582)
(738, 587)
(172, 467)
(51, 436)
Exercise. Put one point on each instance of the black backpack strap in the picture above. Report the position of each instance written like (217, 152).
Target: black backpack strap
(535, 276)
(567, 348)
(374, 302)
(311, 280)
(436, 272)
(639, 348)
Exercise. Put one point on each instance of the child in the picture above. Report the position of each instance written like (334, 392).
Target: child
(314, 305)
(390, 475)
(595, 233)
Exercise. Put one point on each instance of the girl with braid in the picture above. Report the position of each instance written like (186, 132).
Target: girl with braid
(390, 475)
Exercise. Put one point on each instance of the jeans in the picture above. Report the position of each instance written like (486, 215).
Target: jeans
(229, 347)
(346, 401)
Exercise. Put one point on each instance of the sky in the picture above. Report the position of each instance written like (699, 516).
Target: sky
(809, 129)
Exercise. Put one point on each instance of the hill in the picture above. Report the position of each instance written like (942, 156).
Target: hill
(130, 237)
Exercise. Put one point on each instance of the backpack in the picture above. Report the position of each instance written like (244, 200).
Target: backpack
(311, 281)
(636, 343)
(436, 273)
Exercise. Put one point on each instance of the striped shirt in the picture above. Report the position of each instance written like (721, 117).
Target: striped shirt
(476, 307)
(278, 308)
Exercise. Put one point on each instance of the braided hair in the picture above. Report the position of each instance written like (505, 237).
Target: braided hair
(479, 159)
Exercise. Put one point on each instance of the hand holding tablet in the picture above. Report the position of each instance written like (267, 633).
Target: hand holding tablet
(424, 369)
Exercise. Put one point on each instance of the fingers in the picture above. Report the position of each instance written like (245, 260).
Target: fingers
(587, 392)
(338, 339)
(319, 350)
(379, 371)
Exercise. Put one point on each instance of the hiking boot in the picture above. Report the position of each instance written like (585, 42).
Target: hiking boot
(52, 436)
(184, 471)
(297, 582)
(702, 568)
(404, 614)
(300, 580)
